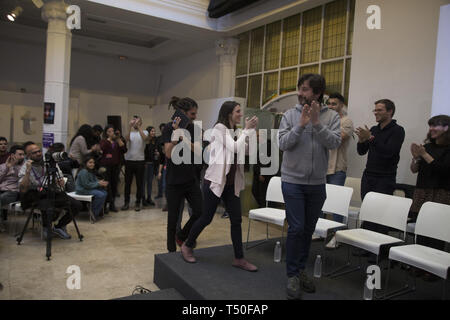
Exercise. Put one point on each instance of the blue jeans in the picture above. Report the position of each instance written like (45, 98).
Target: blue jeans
(98, 200)
(148, 180)
(303, 207)
(338, 178)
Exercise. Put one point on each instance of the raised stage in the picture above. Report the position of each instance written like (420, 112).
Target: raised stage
(213, 277)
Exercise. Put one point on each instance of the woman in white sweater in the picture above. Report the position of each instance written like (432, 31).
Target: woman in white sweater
(224, 179)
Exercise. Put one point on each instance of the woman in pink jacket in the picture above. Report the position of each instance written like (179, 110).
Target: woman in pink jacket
(224, 179)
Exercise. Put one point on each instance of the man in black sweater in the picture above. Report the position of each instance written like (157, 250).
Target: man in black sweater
(383, 142)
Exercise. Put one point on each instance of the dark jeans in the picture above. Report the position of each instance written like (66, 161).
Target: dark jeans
(380, 184)
(175, 196)
(232, 206)
(7, 197)
(136, 168)
(162, 184)
(62, 200)
(112, 176)
(149, 174)
(303, 207)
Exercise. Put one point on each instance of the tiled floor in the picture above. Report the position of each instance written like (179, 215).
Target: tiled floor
(116, 255)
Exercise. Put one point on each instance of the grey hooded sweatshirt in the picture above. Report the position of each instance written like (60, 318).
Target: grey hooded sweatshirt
(305, 150)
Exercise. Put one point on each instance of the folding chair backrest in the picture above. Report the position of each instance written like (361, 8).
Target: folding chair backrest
(355, 184)
(385, 209)
(338, 200)
(433, 221)
(274, 193)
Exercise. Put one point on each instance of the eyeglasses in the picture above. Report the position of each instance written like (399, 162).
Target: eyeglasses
(37, 151)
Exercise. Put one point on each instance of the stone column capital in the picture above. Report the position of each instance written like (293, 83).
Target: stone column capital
(227, 46)
(54, 10)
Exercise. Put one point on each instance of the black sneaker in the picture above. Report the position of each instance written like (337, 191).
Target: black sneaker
(145, 203)
(126, 206)
(137, 207)
(225, 215)
(306, 283)
(293, 289)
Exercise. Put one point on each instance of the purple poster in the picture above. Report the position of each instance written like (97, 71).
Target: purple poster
(47, 139)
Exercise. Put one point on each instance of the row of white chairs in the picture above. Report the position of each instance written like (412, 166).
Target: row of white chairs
(391, 211)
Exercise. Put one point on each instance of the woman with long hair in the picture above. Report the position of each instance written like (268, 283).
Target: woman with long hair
(88, 184)
(181, 178)
(224, 180)
(83, 144)
(112, 147)
(431, 162)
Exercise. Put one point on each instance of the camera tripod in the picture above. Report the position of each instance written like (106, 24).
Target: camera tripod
(49, 187)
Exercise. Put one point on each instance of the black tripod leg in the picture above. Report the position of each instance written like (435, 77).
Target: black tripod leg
(19, 238)
(80, 236)
(48, 252)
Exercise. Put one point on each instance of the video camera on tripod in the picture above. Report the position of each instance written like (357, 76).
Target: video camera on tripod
(55, 157)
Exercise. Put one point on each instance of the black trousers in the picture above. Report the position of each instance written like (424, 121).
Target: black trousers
(62, 200)
(380, 184)
(175, 196)
(134, 168)
(112, 176)
(232, 206)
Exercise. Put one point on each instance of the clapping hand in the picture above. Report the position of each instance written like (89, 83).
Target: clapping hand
(11, 161)
(363, 133)
(251, 123)
(103, 183)
(417, 151)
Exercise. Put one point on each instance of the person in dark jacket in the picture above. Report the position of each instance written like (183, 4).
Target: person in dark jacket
(382, 143)
(151, 165)
(113, 147)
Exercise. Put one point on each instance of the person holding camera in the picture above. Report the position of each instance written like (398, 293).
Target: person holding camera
(113, 147)
(33, 193)
(83, 144)
(135, 161)
(88, 184)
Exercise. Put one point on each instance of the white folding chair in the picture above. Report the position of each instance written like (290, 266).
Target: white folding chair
(433, 221)
(378, 208)
(269, 215)
(337, 202)
(355, 203)
(84, 198)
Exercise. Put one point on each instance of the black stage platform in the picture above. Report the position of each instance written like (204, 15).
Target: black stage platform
(165, 294)
(213, 277)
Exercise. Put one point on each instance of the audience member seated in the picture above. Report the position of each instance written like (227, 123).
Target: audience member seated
(34, 193)
(4, 154)
(9, 180)
(88, 184)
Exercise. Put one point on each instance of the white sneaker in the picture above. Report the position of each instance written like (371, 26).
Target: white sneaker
(332, 244)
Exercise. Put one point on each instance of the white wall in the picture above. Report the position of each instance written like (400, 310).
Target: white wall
(441, 93)
(195, 76)
(396, 62)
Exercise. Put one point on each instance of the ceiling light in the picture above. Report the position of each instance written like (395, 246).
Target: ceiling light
(10, 17)
(14, 14)
(123, 57)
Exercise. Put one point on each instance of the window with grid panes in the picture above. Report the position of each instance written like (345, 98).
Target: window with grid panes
(291, 34)
(302, 49)
(312, 26)
(351, 23)
(335, 24)
(254, 92)
(242, 56)
(240, 88)
(288, 81)
(270, 90)
(272, 54)
(256, 50)
(308, 69)
(333, 73)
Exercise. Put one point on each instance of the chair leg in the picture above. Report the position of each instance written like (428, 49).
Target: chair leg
(91, 214)
(398, 292)
(337, 272)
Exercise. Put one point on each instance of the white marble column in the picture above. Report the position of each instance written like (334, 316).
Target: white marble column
(57, 67)
(226, 50)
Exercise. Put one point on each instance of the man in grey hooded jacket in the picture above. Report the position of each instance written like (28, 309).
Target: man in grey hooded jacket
(307, 133)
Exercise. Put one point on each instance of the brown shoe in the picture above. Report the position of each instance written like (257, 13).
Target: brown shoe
(244, 264)
(187, 254)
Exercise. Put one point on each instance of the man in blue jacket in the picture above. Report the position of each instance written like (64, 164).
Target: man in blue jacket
(307, 133)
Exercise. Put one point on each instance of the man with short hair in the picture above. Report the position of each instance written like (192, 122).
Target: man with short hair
(382, 143)
(31, 185)
(4, 154)
(307, 133)
(9, 179)
(135, 162)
